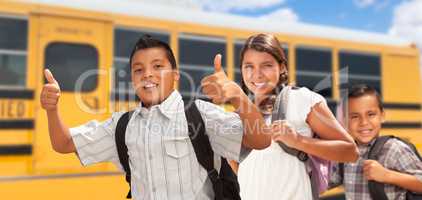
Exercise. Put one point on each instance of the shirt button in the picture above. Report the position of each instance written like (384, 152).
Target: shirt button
(153, 189)
(150, 157)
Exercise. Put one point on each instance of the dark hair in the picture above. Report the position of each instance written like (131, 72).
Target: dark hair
(360, 90)
(146, 42)
(269, 44)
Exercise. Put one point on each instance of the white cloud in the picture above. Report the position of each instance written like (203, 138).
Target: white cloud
(191, 4)
(378, 5)
(381, 5)
(364, 3)
(228, 5)
(407, 22)
(283, 14)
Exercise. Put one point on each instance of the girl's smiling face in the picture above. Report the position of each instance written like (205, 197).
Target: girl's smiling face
(260, 71)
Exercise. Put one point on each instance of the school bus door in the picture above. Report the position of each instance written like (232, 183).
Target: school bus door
(76, 51)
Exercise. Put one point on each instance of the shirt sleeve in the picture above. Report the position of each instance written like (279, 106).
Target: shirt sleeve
(305, 99)
(94, 141)
(224, 130)
(402, 158)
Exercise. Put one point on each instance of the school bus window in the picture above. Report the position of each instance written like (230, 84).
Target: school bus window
(12, 70)
(73, 65)
(314, 69)
(286, 52)
(121, 74)
(13, 46)
(13, 34)
(196, 57)
(238, 45)
(124, 41)
(360, 68)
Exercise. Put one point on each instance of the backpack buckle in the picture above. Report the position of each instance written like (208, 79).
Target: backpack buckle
(213, 174)
(302, 156)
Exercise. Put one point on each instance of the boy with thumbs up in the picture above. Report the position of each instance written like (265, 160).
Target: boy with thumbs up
(160, 150)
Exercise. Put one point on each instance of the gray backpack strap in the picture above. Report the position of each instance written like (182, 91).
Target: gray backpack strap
(280, 105)
(279, 113)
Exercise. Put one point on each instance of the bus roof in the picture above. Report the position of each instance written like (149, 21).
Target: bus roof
(196, 16)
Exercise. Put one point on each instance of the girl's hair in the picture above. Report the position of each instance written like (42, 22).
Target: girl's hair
(269, 44)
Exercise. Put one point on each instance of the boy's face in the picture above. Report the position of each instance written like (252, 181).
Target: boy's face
(152, 75)
(364, 118)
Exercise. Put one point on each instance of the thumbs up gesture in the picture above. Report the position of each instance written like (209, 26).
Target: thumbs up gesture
(218, 87)
(50, 93)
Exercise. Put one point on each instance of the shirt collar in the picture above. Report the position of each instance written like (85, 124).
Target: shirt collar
(364, 148)
(172, 105)
(169, 107)
(369, 144)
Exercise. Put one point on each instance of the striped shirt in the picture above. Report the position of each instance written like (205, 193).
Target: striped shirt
(161, 155)
(396, 156)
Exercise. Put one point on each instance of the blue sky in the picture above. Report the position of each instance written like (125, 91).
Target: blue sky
(370, 15)
(344, 13)
(401, 18)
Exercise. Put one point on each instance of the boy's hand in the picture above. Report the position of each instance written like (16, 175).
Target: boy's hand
(50, 93)
(218, 87)
(373, 170)
(282, 132)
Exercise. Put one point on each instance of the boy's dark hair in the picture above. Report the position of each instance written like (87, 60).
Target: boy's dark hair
(146, 42)
(360, 90)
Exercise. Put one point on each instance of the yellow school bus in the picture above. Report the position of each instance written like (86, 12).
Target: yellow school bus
(86, 44)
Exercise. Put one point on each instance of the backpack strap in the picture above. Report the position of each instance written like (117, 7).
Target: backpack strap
(279, 113)
(122, 148)
(376, 189)
(341, 171)
(376, 148)
(202, 146)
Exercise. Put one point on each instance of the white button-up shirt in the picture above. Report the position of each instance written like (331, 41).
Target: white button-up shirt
(161, 156)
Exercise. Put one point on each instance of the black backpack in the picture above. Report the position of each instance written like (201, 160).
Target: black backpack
(225, 184)
(376, 189)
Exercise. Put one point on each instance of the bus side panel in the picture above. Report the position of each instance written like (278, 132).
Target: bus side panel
(402, 88)
(399, 72)
(70, 188)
